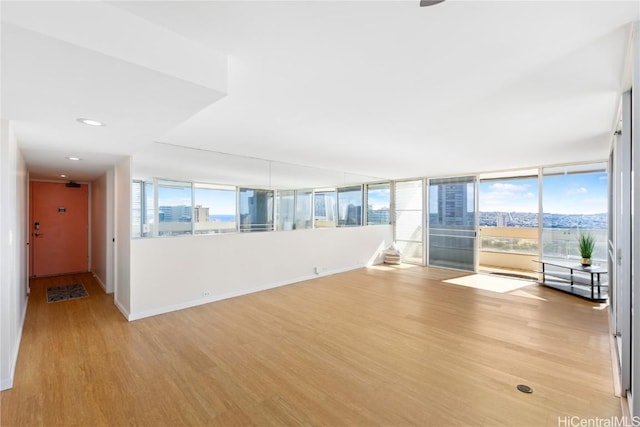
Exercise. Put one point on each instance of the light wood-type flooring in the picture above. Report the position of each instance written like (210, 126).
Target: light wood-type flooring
(371, 347)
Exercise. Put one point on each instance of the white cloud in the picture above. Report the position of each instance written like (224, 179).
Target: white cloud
(508, 197)
(579, 190)
(500, 187)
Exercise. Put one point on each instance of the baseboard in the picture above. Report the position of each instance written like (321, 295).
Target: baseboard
(100, 282)
(227, 295)
(7, 383)
(123, 310)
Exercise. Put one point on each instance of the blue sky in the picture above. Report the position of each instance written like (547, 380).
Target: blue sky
(562, 194)
(378, 198)
(575, 193)
(509, 195)
(222, 202)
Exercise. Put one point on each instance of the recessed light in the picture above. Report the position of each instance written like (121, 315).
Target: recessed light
(73, 158)
(90, 122)
(63, 176)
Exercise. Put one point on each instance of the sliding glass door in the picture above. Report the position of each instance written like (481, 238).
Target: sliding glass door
(452, 222)
(620, 244)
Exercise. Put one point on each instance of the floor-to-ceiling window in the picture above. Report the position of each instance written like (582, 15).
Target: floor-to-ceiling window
(408, 196)
(508, 221)
(574, 201)
(452, 222)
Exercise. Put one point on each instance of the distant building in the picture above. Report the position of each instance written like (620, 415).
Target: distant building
(378, 216)
(503, 219)
(324, 207)
(200, 214)
(179, 213)
(354, 215)
(452, 205)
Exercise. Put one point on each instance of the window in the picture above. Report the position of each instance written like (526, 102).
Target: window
(149, 218)
(574, 200)
(408, 218)
(324, 208)
(508, 217)
(451, 225)
(303, 209)
(350, 206)
(174, 208)
(378, 203)
(214, 209)
(142, 209)
(256, 210)
(136, 208)
(285, 209)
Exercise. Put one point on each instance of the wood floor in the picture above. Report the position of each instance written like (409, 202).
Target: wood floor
(372, 347)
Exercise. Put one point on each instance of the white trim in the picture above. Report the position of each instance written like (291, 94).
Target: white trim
(220, 297)
(100, 282)
(7, 383)
(122, 309)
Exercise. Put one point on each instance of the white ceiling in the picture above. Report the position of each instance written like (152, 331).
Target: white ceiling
(327, 91)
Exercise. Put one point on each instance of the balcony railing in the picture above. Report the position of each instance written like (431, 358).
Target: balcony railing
(563, 243)
(516, 247)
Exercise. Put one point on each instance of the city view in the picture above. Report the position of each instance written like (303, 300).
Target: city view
(572, 203)
(549, 220)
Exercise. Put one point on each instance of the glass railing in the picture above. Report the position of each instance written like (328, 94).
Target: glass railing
(513, 240)
(514, 245)
(563, 243)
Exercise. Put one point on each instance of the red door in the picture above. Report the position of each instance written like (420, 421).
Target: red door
(59, 228)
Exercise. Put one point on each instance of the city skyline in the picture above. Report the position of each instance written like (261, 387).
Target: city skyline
(569, 194)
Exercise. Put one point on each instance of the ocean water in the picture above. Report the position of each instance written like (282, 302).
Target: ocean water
(222, 218)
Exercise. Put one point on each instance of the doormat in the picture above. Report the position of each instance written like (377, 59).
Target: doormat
(66, 292)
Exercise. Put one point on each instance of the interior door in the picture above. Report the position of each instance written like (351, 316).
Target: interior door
(59, 217)
(452, 223)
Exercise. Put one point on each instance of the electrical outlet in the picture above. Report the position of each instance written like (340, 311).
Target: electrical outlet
(206, 294)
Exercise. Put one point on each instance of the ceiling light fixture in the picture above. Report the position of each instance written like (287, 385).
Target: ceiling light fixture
(63, 175)
(73, 158)
(424, 3)
(90, 122)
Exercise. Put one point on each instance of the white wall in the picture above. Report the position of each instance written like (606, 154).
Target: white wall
(122, 259)
(13, 252)
(102, 230)
(175, 272)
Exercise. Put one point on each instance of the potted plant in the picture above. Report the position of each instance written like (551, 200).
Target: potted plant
(586, 245)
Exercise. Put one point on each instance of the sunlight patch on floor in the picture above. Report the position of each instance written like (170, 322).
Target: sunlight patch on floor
(490, 282)
(525, 294)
